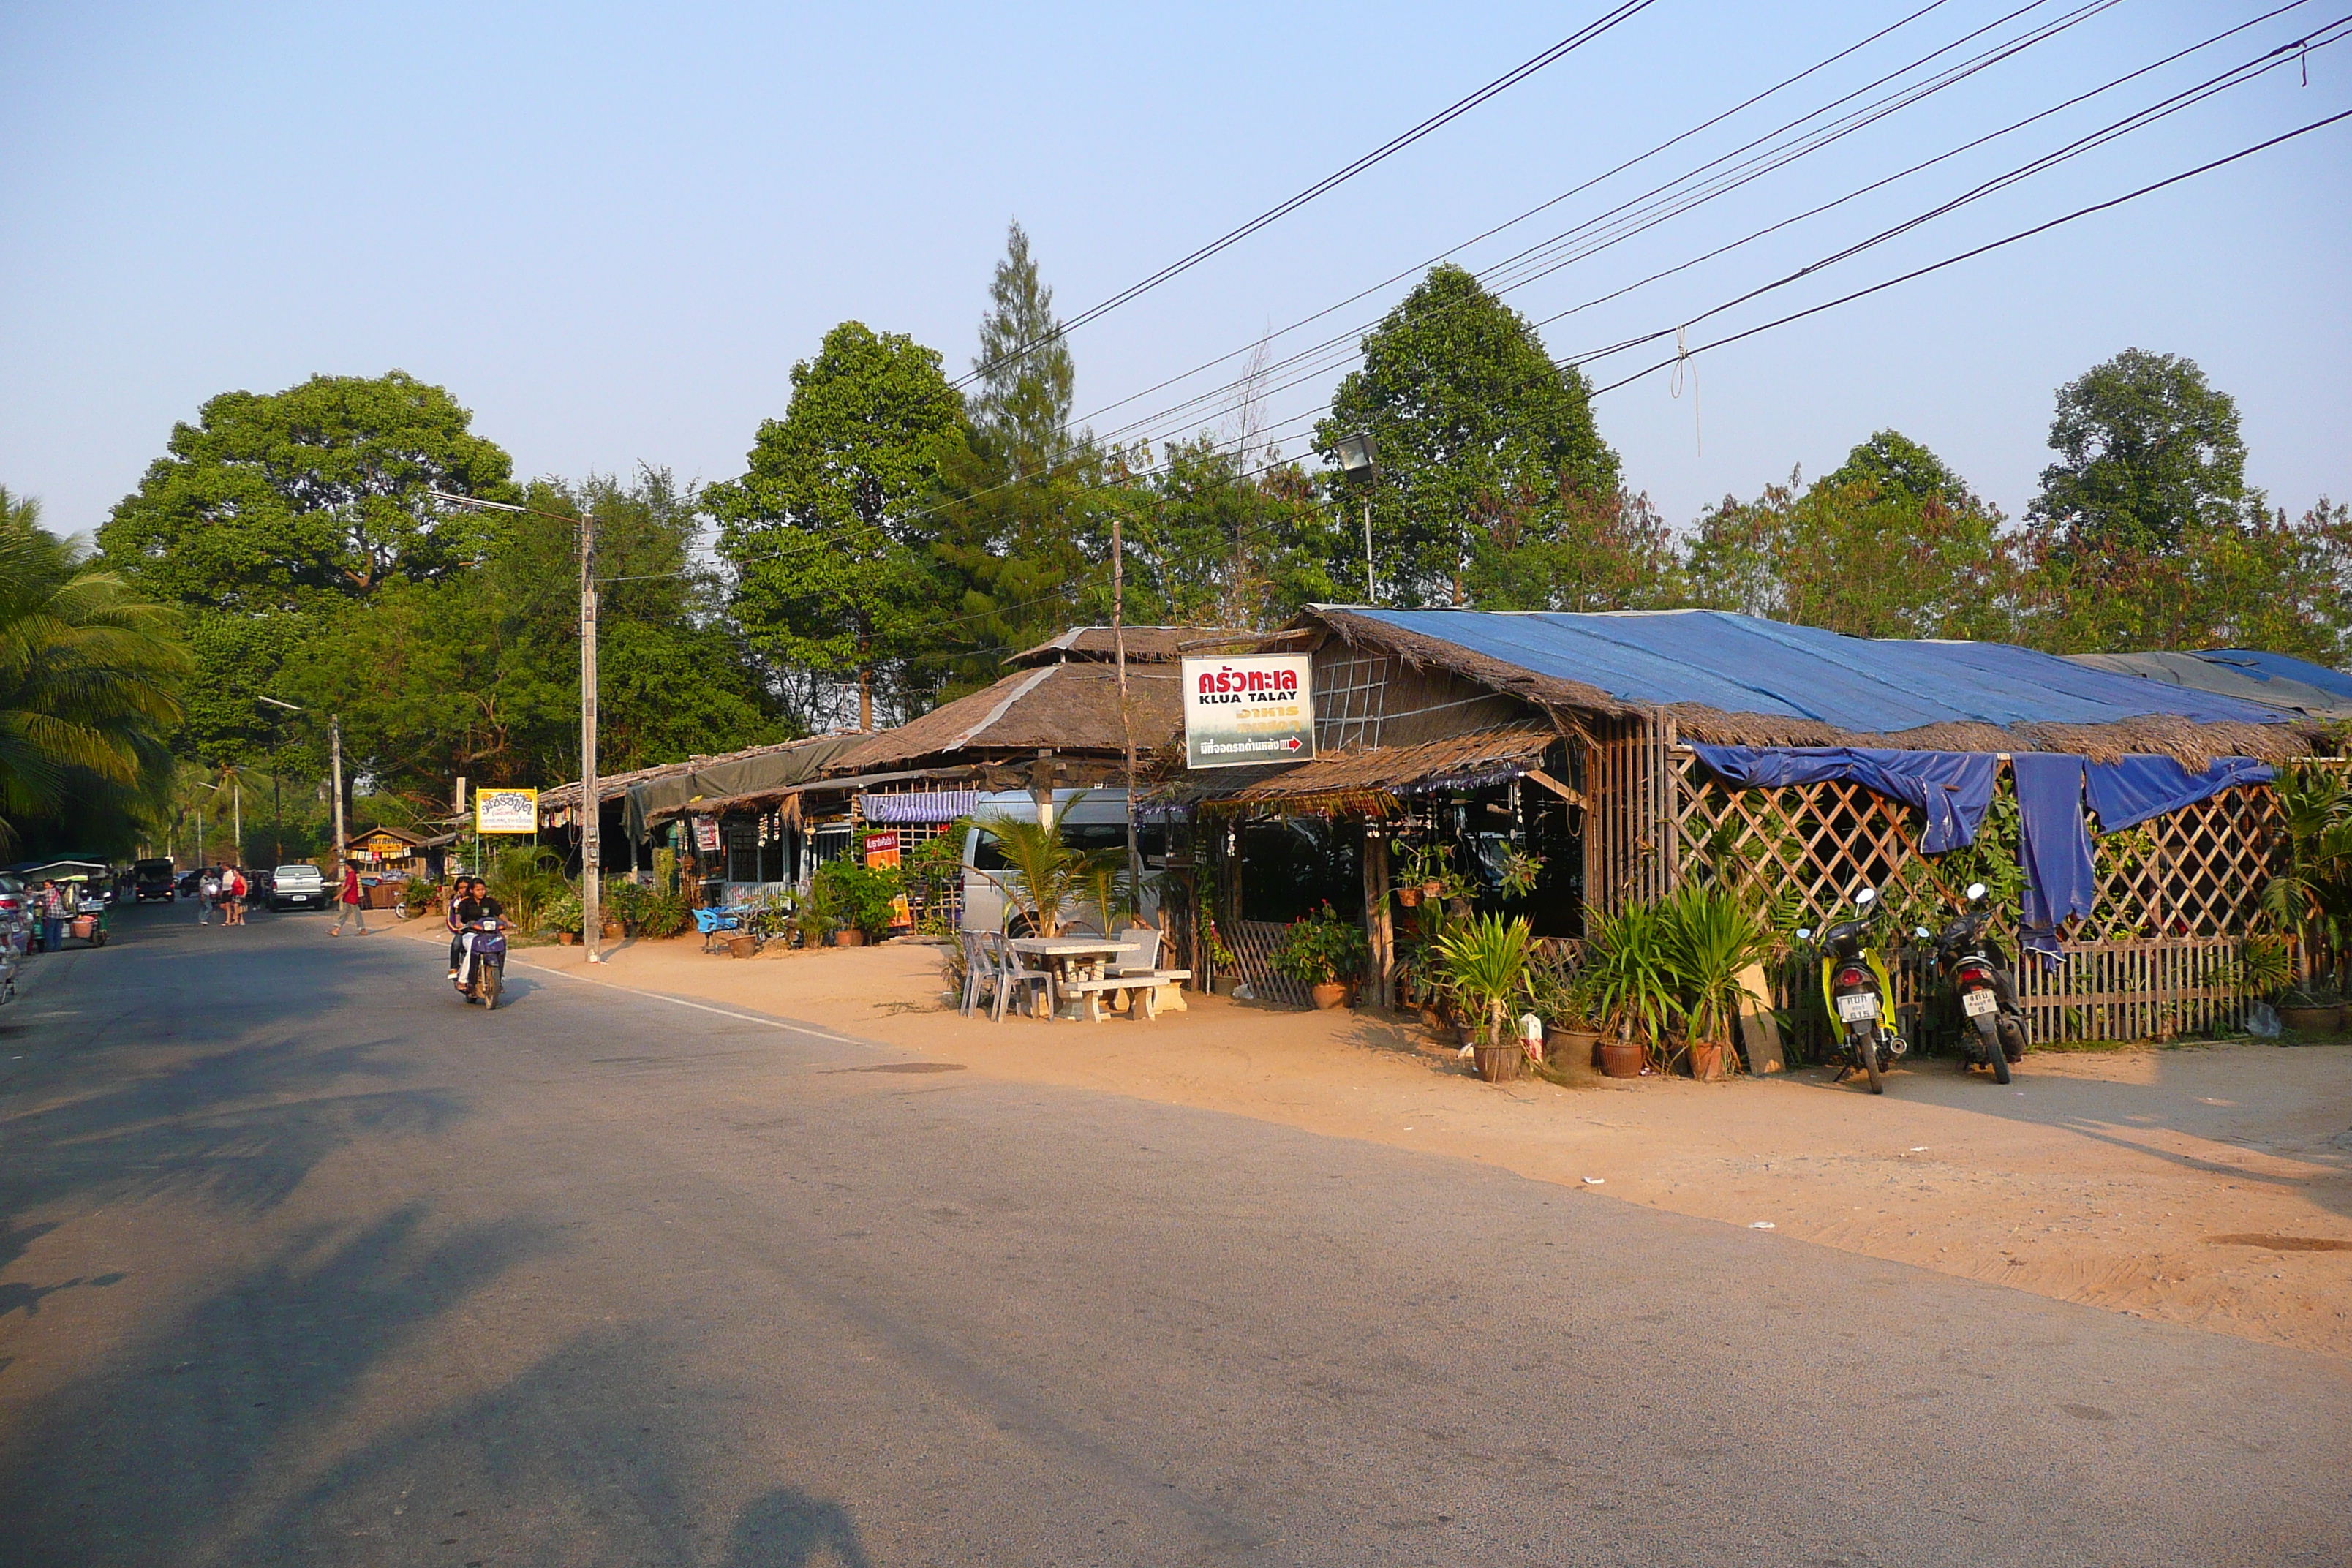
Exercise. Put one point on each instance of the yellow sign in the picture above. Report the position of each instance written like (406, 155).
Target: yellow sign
(505, 811)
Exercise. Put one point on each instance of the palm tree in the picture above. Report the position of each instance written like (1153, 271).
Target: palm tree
(90, 678)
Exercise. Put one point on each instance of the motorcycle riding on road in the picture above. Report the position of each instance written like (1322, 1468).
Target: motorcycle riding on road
(1857, 991)
(1992, 1032)
(482, 960)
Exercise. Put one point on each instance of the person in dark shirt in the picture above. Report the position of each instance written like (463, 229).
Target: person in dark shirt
(464, 908)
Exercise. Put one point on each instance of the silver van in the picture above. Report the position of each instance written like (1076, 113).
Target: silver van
(1089, 819)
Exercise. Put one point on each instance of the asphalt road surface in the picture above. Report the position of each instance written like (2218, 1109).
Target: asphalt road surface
(303, 1261)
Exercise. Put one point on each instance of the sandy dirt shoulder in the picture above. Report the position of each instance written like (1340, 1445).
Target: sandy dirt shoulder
(2202, 1186)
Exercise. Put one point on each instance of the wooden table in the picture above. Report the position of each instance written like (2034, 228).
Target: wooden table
(1072, 957)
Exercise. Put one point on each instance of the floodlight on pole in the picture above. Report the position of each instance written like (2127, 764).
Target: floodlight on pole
(592, 924)
(1358, 457)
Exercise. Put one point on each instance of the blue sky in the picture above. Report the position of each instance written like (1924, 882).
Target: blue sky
(611, 230)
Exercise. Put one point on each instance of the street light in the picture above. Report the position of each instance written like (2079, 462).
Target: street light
(1359, 459)
(334, 772)
(592, 913)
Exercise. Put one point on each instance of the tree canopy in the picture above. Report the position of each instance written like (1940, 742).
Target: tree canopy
(1472, 419)
(2148, 452)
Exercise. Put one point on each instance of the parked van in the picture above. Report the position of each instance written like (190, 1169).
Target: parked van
(1087, 819)
(152, 881)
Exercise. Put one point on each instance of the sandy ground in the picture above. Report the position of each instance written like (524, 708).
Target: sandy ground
(2202, 1186)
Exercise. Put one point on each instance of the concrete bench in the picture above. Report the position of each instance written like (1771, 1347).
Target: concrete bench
(1142, 987)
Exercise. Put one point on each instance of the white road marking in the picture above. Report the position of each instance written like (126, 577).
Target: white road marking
(698, 1006)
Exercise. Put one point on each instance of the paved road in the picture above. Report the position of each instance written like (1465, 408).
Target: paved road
(303, 1261)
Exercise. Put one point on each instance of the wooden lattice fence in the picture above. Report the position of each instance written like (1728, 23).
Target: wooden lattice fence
(1252, 943)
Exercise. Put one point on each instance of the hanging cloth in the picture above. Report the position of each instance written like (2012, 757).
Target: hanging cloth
(2052, 844)
(2135, 789)
(1953, 788)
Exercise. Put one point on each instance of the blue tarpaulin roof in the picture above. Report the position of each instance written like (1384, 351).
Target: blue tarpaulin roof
(2280, 667)
(1740, 664)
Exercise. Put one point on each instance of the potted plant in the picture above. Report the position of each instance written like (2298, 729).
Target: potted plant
(864, 898)
(1485, 964)
(2310, 1007)
(1625, 986)
(1572, 1037)
(563, 916)
(1324, 953)
(1709, 939)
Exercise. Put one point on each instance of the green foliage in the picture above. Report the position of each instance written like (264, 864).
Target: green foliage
(2311, 898)
(1572, 548)
(564, 912)
(1321, 949)
(2263, 966)
(1891, 464)
(855, 895)
(833, 569)
(1472, 418)
(1710, 937)
(2147, 452)
(89, 688)
(1045, 879)
(1021, 413)
(419, 895)
(1627, 982)
(1485, 962)
(664, 914)
(528, 881)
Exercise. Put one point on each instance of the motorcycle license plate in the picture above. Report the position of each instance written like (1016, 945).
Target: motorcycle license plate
(1976, 1004)
(1856, 1005)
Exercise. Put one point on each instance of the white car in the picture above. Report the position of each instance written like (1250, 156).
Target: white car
(1087, 819)
(299, 886)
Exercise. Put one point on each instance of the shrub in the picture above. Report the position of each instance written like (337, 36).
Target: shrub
(866, 897)
(665, 915)
(419, 895)
(1320, 950)
(564, 913)
(1486, 964)
(526, 879)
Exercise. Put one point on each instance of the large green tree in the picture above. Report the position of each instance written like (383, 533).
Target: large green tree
(1879, 549)
(1571, 550)
(89, 683)
(1470, 415)
(274, 510)
(829, 530)
(2147, 452)
(1023, 377)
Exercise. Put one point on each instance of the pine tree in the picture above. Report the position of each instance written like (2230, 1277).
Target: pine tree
(1021, 415)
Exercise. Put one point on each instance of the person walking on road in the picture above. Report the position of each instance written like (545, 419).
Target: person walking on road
(53, 917)
(350, 902)
(207, 894)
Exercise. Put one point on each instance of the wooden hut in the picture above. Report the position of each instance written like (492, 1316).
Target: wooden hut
(1587, 739)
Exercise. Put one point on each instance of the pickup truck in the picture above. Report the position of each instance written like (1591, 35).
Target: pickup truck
(297, 887)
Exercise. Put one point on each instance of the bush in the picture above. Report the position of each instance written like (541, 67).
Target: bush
(861, 896)
(1320, 950)
(526, 879)
(419, 895)
(664, 915)
(564, 913)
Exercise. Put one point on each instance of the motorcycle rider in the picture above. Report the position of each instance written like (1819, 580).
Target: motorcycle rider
(482, 910)
(461, 910)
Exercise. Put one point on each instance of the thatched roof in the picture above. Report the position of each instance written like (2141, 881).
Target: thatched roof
(1774, 685)
(612, 787)
(1369, 779)
(1145, 645)
(1065, 709)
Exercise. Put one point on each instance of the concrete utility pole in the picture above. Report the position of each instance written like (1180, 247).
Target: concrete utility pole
(591, 884)
(335, 776)
(1125, 725)
(236, 810)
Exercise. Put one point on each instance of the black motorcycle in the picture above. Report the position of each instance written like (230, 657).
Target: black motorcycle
(1993, 1025)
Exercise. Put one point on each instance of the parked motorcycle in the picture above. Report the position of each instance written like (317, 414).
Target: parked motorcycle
(1992, 1030)
(482, 965)
(1858, 993)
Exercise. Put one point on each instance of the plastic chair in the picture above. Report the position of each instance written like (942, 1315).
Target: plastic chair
(979, 968)
(1013, 972)
(714, 923)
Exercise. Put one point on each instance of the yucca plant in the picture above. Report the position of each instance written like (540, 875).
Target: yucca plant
(1709, 937)
(1625, 984)
(1486, 964)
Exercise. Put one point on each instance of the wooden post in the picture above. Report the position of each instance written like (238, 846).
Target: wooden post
(1379, 929)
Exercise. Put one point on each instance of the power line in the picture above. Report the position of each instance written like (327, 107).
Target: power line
(1980, 251)
(1395, 144)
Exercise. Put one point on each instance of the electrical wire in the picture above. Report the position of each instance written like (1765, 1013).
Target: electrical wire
(1395, 144)
(1980, 251)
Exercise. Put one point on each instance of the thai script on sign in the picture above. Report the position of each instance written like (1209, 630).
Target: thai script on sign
(1248, 708)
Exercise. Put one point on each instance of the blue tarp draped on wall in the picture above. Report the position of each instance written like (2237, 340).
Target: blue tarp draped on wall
(2053, 843)
(2129, 791)
(1953, 788)
(1743, 664)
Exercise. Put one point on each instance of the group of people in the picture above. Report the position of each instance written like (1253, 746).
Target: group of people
(223, 887)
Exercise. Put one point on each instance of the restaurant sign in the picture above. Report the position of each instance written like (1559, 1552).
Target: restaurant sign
(505, 811)
(1248, 709)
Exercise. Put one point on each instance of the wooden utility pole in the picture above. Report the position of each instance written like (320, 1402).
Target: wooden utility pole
(592, 886)
(1125, 724)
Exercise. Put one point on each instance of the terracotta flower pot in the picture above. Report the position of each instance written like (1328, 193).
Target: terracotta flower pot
(1706, 1060)
(2308, 1020)
(1431, 891)
(1620, 1058)
(1574, 1048)
(1499, 1063)
(1329, 995)
(1409, 897)
(742, 944)
(849, 936)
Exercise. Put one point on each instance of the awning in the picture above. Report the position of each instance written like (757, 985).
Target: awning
(1371, 779)
(919, 806)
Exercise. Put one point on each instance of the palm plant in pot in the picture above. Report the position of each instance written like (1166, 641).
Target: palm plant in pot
(1324, 953)
(1044, 879)
(1711, 938)
(1486, 964)
(1625, 986)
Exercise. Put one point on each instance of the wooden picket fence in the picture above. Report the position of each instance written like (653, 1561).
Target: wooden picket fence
(2169, 988)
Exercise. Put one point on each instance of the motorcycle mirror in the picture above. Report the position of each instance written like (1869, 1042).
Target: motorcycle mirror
(1804, 933)
(1922, 933)
(1865, 898)
(1976, 891)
